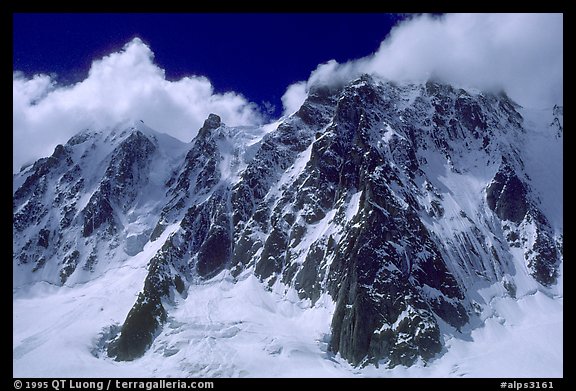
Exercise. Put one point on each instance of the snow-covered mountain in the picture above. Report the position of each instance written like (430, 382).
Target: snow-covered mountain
(379, 224)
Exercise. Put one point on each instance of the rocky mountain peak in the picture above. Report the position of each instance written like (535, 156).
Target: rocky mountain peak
(400, 202)
(211, 123)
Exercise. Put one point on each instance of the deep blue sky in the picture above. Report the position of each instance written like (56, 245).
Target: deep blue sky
(258, 55)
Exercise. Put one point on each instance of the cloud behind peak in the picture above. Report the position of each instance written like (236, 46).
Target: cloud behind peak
(521, 54)
(126, 84)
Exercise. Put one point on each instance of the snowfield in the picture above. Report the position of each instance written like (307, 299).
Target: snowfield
(227, 329)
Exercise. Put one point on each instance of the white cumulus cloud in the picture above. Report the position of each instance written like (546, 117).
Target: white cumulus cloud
(123, 85)
(521, 54)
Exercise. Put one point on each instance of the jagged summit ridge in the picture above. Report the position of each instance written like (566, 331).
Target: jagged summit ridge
(399, 201)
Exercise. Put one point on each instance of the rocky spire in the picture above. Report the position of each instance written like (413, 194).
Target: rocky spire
(212, 122)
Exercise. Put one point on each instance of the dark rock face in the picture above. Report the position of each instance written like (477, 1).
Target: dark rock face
(506, 196)
(128, 168)
(70, 263)
(126, 173)
(197, 175)
(98, 212)
(43, 238)
(212, 122)
(377, 283)
(139, 329)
